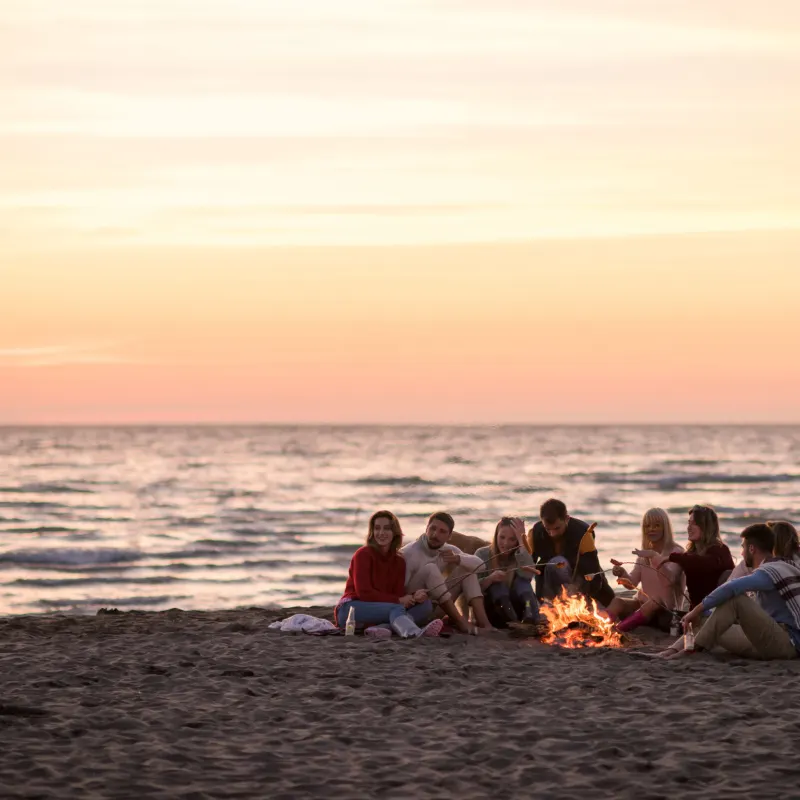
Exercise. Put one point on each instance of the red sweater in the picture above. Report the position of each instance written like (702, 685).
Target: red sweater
(703, 572)
(374, 577)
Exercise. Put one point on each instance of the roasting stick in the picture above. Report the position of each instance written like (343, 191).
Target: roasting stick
(447, 583)
(633, 563)
(536, 565)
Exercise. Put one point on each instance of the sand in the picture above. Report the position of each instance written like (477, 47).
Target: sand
(212, 704)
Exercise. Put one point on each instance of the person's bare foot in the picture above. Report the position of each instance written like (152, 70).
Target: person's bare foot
(678, 654)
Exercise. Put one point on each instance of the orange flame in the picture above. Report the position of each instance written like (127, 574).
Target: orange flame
(574, 623)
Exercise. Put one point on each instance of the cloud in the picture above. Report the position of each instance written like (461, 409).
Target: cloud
(63, 354)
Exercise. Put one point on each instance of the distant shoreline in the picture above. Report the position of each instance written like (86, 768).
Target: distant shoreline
(367, 425)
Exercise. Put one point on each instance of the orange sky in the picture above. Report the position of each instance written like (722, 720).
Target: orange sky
(464, 212)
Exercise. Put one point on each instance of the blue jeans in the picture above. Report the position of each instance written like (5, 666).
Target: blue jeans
(518, 594)
(368, 614)
(558, 575)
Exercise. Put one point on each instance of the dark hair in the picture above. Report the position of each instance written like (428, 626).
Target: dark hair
(707, 520)
(552, 510)
(442, 516)
(787, 544)
(397, 538)
(761, 536)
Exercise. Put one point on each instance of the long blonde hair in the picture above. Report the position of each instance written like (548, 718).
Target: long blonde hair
(494, 549)
(658, 515)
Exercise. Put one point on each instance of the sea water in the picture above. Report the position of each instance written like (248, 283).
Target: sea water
(221, 517)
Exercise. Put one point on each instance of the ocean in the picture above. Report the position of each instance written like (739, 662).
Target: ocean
(214, 517)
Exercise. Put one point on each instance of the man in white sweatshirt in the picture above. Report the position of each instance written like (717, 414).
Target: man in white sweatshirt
(445, 572)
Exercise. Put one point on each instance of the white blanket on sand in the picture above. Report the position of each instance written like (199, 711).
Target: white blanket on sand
(304, 623)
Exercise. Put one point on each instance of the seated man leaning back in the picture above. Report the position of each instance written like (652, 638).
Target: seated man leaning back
(445, 572)
(564, 550)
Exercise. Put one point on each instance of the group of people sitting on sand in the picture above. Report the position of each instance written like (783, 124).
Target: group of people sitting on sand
(410, 589)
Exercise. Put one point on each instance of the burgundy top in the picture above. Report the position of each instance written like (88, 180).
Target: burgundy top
(703, 572)
(374, 577)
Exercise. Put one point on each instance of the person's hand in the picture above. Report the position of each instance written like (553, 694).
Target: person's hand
(518, 526)
(618, 570)
(530, 570)
(449, 557)
(658, 561)
(645, 553)
(692, 616)
(406, 601)
(420, 596)
(497, 576)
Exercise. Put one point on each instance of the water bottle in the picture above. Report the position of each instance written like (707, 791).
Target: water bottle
(675, 627)
(350, 625)
(527, 615)
(688, 639)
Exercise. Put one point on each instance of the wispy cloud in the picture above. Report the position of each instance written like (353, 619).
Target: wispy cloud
(63, 354)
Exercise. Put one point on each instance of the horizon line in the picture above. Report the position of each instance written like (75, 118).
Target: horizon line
(274, 424)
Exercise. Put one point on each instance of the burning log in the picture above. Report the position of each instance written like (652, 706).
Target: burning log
(574, 623)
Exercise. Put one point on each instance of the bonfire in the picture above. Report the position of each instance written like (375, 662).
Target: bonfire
(573, 623)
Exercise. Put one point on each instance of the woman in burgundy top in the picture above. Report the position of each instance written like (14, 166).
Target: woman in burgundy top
(706, 560)
(376, 586)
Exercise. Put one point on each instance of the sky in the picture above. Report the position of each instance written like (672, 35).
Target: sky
(388, 212)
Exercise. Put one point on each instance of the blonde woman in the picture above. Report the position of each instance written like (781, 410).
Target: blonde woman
(506, 574)
(662, 588)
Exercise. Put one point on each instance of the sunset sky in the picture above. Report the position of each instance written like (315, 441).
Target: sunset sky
(375, 211)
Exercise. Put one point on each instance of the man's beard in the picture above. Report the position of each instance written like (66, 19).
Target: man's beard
(433, 546)
(748, 560)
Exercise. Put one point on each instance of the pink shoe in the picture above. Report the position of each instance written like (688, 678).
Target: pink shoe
(377, 633)
(633, 621)
(433, 628)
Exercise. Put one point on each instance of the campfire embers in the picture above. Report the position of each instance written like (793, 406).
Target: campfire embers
(574, 624)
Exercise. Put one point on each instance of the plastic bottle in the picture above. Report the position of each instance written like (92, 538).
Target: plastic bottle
(674, 628)
(527, 615)
(350, 625)
(688, 639)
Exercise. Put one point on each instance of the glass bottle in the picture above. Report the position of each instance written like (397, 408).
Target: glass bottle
(688, 639)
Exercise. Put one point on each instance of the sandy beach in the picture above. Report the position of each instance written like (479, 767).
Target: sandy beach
(213, 704)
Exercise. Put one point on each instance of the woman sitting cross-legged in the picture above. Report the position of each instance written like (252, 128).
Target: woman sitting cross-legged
(376, 584)
(706, 563)
(506, 575)
(662, 589)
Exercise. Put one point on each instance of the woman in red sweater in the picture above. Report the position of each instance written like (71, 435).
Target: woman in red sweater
(376, 586)
(706, 559)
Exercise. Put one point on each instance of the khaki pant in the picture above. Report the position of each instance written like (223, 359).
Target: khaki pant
(742, 627)
(460, 580)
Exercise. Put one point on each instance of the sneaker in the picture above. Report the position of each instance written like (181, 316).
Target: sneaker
(377, 633)
(433, 628)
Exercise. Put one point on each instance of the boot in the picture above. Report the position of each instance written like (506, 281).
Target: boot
(633, 621)
(405, 627)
